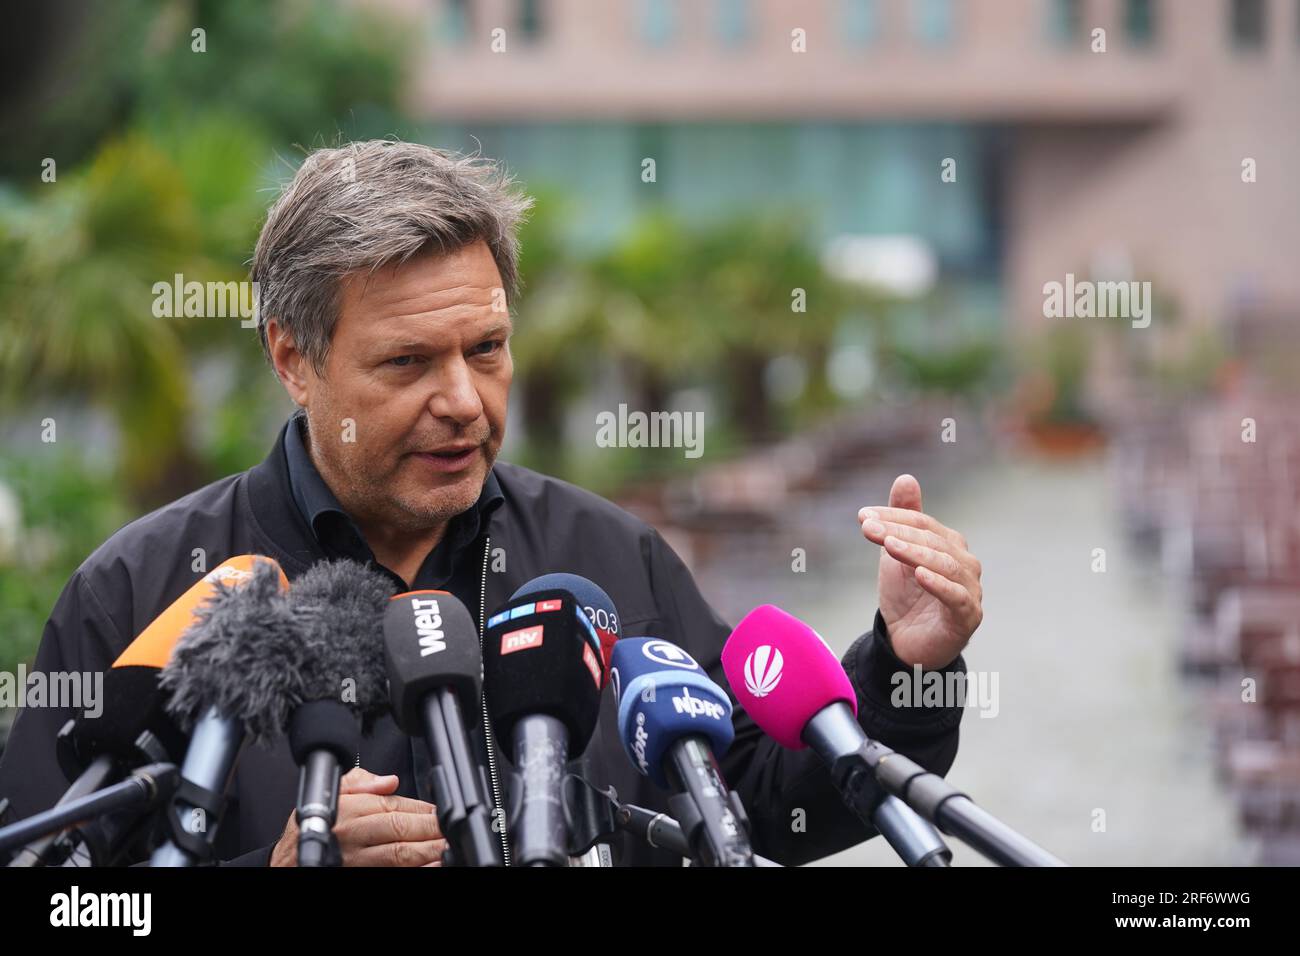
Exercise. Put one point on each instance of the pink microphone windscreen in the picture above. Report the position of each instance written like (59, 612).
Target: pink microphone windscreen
(783, 673)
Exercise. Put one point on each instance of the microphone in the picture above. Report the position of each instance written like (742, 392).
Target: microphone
(817, 708)
(608, 815)
(144, 788)
(339, 608)
(435, 670)
(133, 702)
(603, 615)
(133, 730)
(236, 672)
(789, 681)
(674, 721)
(591, 598)
(543, 671)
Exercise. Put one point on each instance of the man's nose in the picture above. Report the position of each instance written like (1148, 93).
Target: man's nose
(455, 395)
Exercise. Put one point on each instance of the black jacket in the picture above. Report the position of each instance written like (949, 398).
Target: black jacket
(542, 525)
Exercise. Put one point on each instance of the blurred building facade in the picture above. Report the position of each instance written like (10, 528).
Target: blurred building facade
(1127, 163)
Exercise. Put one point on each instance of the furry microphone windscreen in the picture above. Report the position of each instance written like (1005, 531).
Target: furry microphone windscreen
(340, 606)
(244, 655)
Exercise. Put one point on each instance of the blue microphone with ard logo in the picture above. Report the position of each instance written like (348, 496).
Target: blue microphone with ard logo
(674, 721)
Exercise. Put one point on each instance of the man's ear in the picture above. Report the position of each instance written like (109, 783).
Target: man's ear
(290, 365)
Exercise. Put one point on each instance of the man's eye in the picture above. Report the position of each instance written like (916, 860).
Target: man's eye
(401, 361)
(486, 348)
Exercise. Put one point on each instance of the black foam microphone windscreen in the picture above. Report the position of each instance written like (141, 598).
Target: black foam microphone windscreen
(430, 643)
(541, 655)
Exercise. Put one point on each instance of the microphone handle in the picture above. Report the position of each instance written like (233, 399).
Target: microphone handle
(463, 811)
(541, 832)
(713, 821)
(835, 735)
(661, 831)
(318, 808)
(209, 762)
(862, 767)
(915, 840)
(657, 829)
(599, 855)
(103, 840)
(137, 791)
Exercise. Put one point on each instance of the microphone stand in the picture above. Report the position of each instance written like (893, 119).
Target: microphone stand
(661, 830)
(718, 837)
(38, 852)
(143, 789)
(603, 815)
(857, 773)
(463, 808)
(913, 839)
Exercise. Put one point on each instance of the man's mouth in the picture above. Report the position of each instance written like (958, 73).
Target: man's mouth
(450, 459)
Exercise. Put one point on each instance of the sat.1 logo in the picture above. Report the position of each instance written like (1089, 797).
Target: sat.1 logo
(763, 670)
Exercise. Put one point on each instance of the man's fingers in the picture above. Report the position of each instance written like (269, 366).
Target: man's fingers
(920, 556)
(423, 853)
(905, 493)
(878, 531)
(914, 519)
(359, 780)
(379, 828)
(952, 594)
(285, 851)
(957, 566)
(367, 804)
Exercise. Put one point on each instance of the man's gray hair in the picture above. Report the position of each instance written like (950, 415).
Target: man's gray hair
(371, 204)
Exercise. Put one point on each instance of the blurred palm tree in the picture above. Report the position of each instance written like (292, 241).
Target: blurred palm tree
(77, 276)
(764, 292)
(673, 306)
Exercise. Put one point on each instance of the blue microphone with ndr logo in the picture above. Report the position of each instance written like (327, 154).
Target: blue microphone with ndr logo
(674, 721)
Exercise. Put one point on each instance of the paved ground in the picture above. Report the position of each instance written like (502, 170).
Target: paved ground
(1093, 715)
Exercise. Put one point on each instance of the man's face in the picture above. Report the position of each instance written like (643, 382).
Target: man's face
(420, 362)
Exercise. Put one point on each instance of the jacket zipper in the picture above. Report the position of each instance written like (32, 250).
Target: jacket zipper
(498, 808)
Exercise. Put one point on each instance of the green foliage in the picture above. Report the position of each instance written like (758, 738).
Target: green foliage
(670, 306)
(957, 371)
(166, 162)
(1062, 356)
(67, 510)
(308, 74)
(76, 278)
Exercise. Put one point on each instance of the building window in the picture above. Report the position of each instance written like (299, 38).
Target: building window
(1140, 22)
(1065, 21)
(657, 21)
(861, 21)
(733, 21)
(457, 22)
(1247, 24)
(530, 19)
(932, 21)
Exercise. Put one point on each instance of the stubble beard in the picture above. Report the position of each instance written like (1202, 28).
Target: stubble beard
(370, 498)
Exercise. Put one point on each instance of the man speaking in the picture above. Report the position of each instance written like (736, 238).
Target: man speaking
(386, 271)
